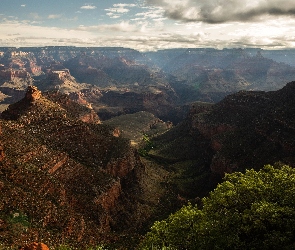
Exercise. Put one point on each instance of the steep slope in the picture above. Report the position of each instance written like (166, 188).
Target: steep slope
(245, 130)
(61, 179)
(249, 129)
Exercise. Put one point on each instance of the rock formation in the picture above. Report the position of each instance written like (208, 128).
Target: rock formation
(108, 78)
(245, 130)
(35, 246)
(66, 177)
(63, 178)
(33, 94)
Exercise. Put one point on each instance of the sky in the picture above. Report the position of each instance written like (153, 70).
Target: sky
(148, 25)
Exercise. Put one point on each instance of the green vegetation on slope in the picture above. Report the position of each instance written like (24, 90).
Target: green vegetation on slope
(255, 210)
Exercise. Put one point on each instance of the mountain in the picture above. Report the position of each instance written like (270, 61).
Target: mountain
(245, 130)
(116, 81)
(210, 74)
(250, 129)
(62, 178)
(94, 77)
(284, 56)
(68, 177)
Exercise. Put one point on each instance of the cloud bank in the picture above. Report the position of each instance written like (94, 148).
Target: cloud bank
(212, 11)
(151, 25)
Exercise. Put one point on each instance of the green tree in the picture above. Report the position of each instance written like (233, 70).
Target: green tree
(255, 210)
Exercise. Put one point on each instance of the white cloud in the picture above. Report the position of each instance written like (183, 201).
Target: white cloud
(123, 5)
(113, 15)
(88, 7)
(153, 13)
(35, 16)
(151, 29)
(138, 36)
(123, 26)
(118, 10)
(54, 16)
(23, 5)
(31, 35)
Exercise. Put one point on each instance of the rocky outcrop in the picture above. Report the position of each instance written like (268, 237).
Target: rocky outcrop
(33, 94)
(35, 246)
(53, 105)
(72, 178)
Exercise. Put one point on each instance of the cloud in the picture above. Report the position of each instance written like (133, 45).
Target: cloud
(118, 10)
(212, 11)
(54, 16)
(123, 26)
(152, 13)
(146, 42)
(123, 5)
(112, 15)
(144, 34)
(35, 16)
(88, 7)
(32, 35)
(23, 5)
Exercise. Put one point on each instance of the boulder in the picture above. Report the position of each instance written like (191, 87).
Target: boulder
(35, 246)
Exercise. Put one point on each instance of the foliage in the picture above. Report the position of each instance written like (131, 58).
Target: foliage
(255, 210)
(148, 145)
(3, 247)
(67, 247)
(64, 247)
(102, 247)
(60, 247)
(19, 218)
(17, 223)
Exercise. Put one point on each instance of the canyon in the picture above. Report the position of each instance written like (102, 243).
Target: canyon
(116, 81)
(98, 143)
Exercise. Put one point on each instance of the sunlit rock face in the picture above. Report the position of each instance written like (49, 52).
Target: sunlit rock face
(35, 246)
(33, 93)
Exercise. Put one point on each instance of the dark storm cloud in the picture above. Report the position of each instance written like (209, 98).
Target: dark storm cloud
(221, 11)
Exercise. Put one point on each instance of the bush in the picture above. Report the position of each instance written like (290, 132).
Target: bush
(146, 147)
(255, 210)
